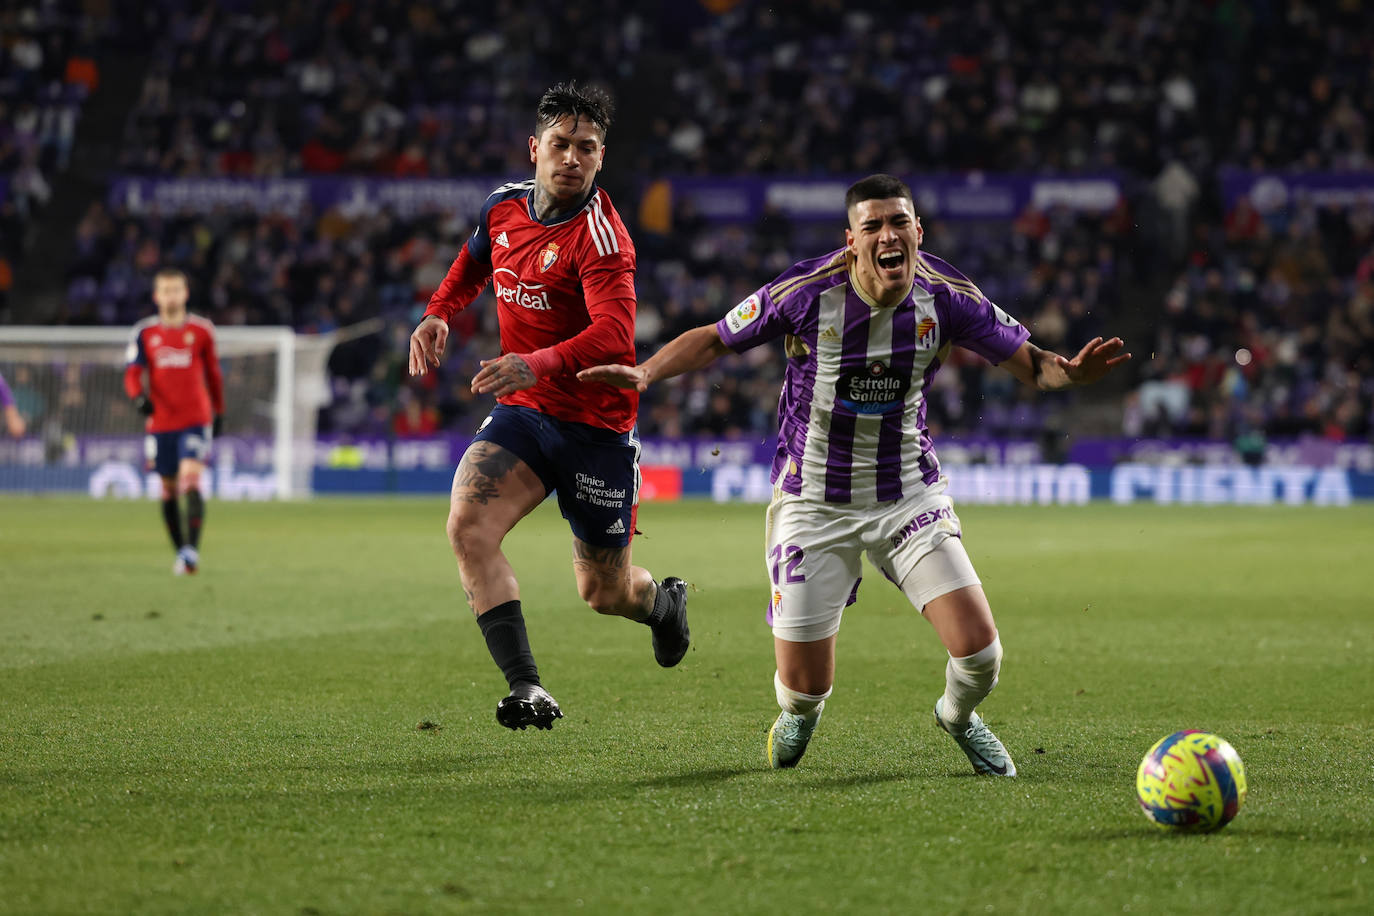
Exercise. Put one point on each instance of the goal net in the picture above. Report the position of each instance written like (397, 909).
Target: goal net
(83, 434)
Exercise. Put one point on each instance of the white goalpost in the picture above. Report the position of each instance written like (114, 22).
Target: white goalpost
(83, 435)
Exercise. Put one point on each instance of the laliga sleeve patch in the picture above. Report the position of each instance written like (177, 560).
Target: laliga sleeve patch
(744, 313)
(1004, 318)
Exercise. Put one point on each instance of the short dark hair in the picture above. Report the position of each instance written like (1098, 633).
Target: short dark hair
(171, 273)
(569, 100)
(876, 187)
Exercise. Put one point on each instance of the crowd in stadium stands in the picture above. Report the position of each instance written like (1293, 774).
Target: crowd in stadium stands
(813, 86)
(1166, 93)
(405, 89)
(47, 69)
(313, 272)
(319, 272)
(1058, 271)
(822, 85)
(1268, 332)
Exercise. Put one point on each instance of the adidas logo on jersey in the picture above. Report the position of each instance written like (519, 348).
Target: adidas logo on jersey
(830, 334)
(503, 241)
(617, 528)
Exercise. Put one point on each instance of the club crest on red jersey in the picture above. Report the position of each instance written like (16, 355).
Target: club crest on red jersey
(548, 256)
(189, 337)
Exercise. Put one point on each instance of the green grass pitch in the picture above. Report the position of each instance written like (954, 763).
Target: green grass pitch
(250, 740)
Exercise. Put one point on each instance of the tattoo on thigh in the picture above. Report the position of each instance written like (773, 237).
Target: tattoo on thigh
(481, 471)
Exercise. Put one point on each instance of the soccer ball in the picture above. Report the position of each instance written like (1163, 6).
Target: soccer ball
(1191, 781)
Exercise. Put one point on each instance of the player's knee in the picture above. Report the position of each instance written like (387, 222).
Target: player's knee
(169, 489)
(983, 666)
(188, 481)
(468, 540)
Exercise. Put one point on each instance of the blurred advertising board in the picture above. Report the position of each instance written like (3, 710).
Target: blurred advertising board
(1275, 193)
(968, 195)
(981, 470)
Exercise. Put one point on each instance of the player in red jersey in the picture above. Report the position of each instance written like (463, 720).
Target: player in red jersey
(562, 266)
(183, 400)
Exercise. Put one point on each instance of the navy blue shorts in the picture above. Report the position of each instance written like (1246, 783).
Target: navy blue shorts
(594, 471)
(164, 451)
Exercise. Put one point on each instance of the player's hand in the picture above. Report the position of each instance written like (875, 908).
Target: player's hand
(144, 405)
(1096, 359)
(217, 425)
(14, 422)
(427, 344)
(503, 376)
(620, 376)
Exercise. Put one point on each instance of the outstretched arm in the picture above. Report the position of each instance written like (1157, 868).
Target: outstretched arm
(14, 422)
(1049, 371)
(694, 349)
(465, 279)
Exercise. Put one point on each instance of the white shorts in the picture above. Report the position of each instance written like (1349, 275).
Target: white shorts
(814, 556)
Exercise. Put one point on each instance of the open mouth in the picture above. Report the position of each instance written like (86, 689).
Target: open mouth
(891, 260)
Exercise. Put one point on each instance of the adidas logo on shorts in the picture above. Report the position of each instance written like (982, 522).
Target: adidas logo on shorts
(617, 528)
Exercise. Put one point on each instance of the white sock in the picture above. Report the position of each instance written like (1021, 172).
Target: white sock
(807, 705)
(968, 680)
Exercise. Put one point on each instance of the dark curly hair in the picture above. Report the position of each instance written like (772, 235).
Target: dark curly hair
(569, 100)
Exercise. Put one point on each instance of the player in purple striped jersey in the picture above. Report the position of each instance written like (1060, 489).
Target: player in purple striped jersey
(866, 328)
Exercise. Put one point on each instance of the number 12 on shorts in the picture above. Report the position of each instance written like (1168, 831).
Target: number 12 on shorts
(793, 554)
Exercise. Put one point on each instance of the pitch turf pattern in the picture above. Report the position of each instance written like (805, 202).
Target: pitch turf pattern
(251, 740)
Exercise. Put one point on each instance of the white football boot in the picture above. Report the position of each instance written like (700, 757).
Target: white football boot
(187, 562)
(788, 737)
(979, 744)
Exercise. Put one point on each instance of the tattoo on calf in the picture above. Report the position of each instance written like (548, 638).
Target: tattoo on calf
(645, 599)
(609, 564)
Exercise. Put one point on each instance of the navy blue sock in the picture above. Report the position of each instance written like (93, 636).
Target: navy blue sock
(663, 605)
(503, 627)
(171, 516)
(195, 515)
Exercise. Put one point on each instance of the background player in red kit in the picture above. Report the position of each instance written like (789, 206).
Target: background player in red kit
(183, 399)
(562, 266)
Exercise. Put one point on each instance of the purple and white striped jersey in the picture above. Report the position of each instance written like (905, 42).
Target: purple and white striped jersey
(852, 415)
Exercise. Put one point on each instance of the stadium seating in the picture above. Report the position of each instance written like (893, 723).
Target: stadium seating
(816, 87)
(1267, 331)
(423, 89)
(47, 69)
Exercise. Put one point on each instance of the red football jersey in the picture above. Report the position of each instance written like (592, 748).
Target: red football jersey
(566, 286)
(185, 384)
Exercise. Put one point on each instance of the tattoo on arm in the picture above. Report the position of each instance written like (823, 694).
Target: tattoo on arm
(524, 375)
(481, 471)
(1037, 356)
(1042, 362)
